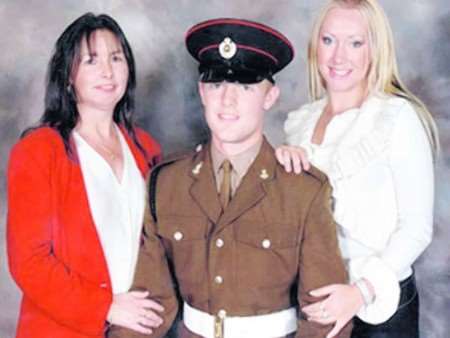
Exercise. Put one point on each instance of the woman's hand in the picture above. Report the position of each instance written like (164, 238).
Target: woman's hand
(342, 303)
(134, 311)
(292, 158)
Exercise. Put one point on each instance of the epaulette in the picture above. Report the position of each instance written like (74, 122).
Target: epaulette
(170, 159)
(316, 173)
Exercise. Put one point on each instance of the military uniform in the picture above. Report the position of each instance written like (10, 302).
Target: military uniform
(277, 236)
(242, 267)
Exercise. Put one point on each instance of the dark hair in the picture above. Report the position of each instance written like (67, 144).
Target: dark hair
(61, 112)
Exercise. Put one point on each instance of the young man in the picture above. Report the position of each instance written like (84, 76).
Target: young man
(244, 240)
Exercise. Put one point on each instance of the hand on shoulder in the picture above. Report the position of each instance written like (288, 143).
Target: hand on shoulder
(292, 158)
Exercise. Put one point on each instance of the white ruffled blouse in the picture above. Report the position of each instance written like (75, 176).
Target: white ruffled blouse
(379, 163)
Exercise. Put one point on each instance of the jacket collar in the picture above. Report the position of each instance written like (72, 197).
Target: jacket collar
(252, 189)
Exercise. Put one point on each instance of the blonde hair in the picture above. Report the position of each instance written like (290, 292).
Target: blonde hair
(383, 76)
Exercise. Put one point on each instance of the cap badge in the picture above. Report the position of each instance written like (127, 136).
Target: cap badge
(227, 48)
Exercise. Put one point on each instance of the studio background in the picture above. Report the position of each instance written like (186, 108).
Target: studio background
(168, 105)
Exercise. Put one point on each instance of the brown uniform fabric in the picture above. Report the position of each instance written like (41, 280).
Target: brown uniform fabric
(290, 211)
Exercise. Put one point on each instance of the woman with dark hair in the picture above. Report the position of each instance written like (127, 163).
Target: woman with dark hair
(76, 192)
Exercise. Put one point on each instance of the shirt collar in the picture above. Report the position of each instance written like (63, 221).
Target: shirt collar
(240, 162)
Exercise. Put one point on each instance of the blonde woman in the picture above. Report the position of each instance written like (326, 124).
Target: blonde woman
(375, 141)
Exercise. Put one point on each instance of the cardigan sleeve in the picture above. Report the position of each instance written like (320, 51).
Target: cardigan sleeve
(52, 286)
(151, 146)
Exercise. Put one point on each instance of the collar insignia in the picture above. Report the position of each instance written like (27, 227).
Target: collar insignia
(197, 168)
(264, 174)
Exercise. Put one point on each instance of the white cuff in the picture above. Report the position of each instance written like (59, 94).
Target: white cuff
(368, 297)
(385, 284)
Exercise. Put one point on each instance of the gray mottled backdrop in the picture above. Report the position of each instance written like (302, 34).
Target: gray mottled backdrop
(168, 105)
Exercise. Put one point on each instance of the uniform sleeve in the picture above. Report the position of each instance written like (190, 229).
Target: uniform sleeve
(152, 274)
(411, 163)
(59, 292)
(320, 262)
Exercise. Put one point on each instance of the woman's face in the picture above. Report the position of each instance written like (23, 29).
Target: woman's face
(343, 52)
(100, 79)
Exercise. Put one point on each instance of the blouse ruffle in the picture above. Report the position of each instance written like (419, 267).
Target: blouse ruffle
(350, 159)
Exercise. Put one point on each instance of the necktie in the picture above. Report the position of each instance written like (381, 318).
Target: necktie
(225, 187)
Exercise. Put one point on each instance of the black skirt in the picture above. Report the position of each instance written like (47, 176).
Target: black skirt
(403, 324)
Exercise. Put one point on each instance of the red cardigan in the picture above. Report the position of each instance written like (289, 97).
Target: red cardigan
(54, 251)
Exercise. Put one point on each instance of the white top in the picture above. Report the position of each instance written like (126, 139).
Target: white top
(380, 165)
(117, 208)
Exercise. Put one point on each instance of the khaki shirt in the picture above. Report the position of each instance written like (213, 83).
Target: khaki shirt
(240, 164)
(275, 242)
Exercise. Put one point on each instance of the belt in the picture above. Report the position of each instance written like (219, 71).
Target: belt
(272, 325)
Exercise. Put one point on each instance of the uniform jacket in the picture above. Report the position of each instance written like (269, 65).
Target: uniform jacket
(54, 252)
(277, 233)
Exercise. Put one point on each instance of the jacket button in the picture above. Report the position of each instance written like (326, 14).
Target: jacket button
(218, 279)
(266, 244)
(178, 236)
(220, 242)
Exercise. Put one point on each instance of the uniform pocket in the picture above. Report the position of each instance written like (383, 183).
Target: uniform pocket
(185, 241)
(266, 255)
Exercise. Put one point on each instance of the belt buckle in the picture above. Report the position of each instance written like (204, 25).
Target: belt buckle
(218, 324)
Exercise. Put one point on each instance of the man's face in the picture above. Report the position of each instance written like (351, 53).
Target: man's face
(235, 112)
